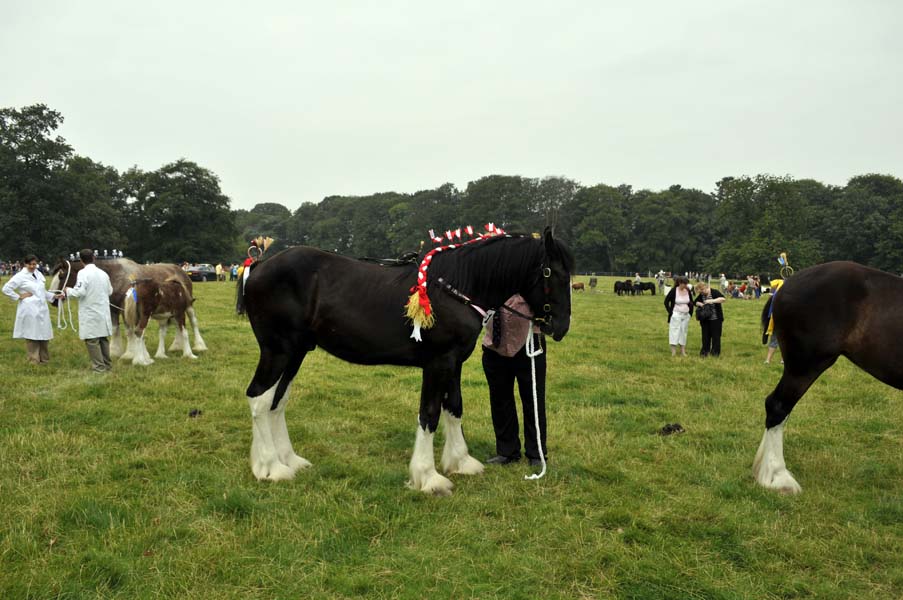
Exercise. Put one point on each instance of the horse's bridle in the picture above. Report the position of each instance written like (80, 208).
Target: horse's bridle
(545, 319)
(546, 290)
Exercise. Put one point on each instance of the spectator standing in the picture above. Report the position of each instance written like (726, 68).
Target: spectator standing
(679, 304)
(711, 318)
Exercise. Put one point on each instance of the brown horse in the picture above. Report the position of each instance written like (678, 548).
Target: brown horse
(164, 302)
(122, 273)
(578, 286)
(830, 310)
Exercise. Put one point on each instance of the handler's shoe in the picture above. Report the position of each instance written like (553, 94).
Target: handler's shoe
(498, 459)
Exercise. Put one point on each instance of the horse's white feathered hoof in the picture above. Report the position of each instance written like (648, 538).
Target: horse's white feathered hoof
(128, 355)
(769, 468)
(160, 355)
(780, 480)
(199, 346)
(466, 465)
(434, 484)
(272, 471)
(297, 463)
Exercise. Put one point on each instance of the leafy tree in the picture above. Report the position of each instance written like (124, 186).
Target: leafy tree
(180, 213)
(30, 190)
(266, 219)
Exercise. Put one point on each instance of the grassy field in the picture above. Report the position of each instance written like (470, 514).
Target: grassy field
(109, 489)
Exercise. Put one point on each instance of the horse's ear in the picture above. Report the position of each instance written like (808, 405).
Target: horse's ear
(549, 240)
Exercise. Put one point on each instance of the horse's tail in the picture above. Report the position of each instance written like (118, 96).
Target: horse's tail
(766, 318)
(243, 273)
(130, 307)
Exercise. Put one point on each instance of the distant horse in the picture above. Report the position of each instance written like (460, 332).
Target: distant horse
(164, 302)
(643, 286)
(624, 288)
(820, 313)
(302, 298)
(578, 286)
(123, 272)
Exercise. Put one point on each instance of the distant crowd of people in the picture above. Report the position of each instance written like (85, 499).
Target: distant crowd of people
(682, 300)
(13, 267)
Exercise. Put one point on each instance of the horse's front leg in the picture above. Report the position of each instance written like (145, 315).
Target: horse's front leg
(424, 477)
(455, 456)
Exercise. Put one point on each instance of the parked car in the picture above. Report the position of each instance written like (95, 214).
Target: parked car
(202, 272)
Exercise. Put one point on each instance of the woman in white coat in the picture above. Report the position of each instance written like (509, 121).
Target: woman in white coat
(32, 315)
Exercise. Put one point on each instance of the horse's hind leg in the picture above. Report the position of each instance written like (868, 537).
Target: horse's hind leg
(161, 345)
(181, 331)
(455, 456)
(264, 393)
(199, 345)
(769, 468)
(116, 341)
(141, 355)
(424, 476)
(279, 429)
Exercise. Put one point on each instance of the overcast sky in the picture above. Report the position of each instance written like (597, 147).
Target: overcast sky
(293, 101)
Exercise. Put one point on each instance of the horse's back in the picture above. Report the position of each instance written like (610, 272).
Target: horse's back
(844, 308)
(305, 297)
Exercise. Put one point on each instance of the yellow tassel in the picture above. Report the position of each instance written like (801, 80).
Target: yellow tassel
(416, 313)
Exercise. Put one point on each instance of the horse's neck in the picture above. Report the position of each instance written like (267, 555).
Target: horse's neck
(502, 279)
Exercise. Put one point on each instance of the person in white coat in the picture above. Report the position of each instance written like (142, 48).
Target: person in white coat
(93, 289)
(32, 315)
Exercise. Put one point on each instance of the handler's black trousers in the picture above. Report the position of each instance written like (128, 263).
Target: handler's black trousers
(711, 338)
(501, 373)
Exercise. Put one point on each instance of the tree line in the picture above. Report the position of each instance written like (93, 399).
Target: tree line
(54, 201)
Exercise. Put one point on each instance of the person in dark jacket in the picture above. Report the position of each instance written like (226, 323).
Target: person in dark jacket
(710, 315)
(505, 362)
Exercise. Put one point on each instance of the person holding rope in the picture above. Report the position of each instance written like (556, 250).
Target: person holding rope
(505, 361)
(95, 325)
(33, 324)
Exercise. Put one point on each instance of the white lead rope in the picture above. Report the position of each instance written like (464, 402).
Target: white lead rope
(61, 322)
(533, 353)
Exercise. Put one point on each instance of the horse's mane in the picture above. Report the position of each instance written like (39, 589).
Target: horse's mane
(500, 262)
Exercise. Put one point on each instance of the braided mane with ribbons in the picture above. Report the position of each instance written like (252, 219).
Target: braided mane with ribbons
(419, 309)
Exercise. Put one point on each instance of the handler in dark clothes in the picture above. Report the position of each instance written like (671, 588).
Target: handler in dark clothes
(504, 361)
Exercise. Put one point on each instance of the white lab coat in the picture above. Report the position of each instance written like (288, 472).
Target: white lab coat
(93, 289)
(32, 315)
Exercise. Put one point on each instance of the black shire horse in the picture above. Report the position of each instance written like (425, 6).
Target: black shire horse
(820, 313)
(303, 297)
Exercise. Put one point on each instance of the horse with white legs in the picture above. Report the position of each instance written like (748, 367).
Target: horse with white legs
(820, 313)
(166, 302)
(302, 298)
(122, 273)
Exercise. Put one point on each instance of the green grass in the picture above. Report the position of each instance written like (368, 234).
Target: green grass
(109, 489)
